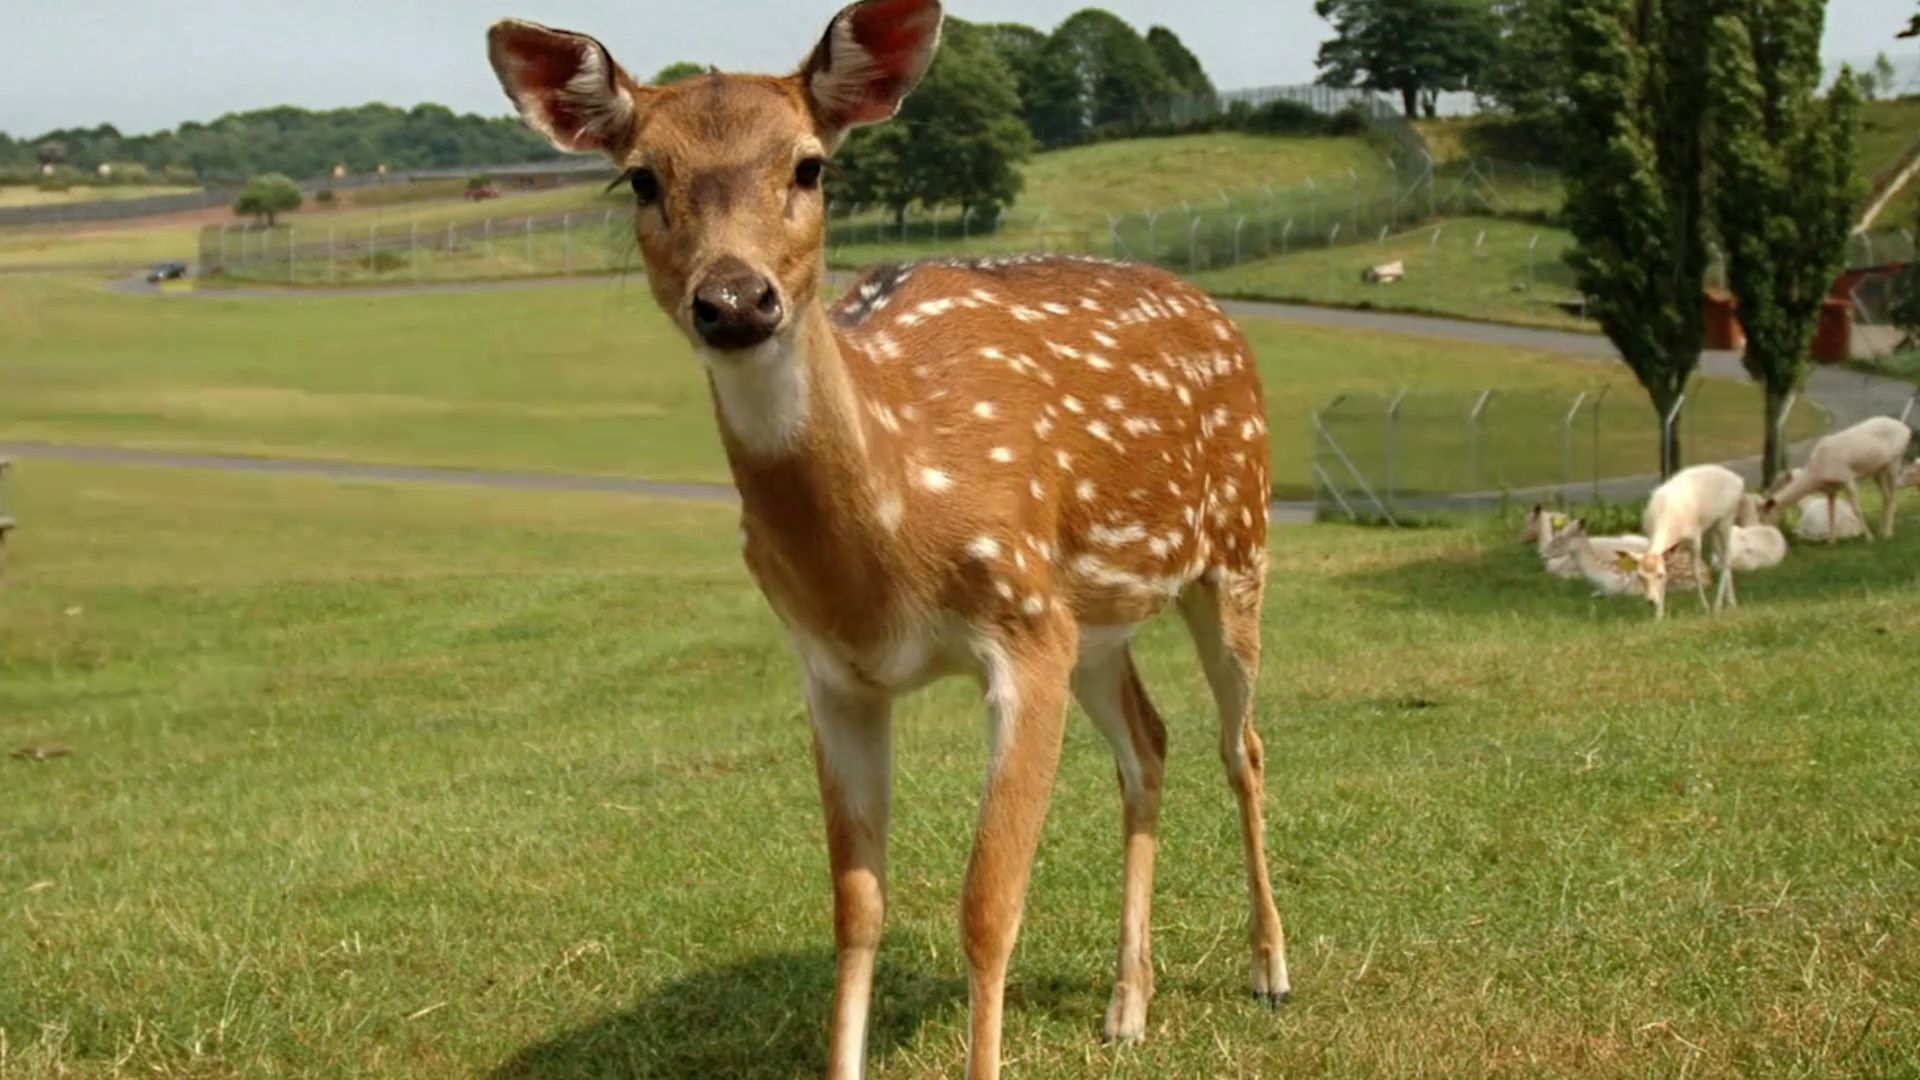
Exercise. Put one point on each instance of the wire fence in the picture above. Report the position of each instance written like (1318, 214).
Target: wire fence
(574, 242)
(1408, 454)
(1467, 238)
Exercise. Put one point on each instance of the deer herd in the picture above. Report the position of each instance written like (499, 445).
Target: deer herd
(994, 468)
(1710, 505)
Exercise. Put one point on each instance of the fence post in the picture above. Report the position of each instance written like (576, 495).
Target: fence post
(1566, 453)
(1598, 405)
(1284, 233)
(1313, 206)
(245, 226)
(1393, 445)
(1113, 235)
(486, 236)
(1433, 210)
(1353, 200)
(1479, 295)
(290, 250)
(1193, 245)
(1332, 236)
(450, 240)
(223, 246)
(1153, 224)
(1433, 252)
(330, 268)
(966, 224)
(1531, 244)
(370, 240)
(1238, 224)
(1267, 244)
(413, 250)
(1908, 410)
(1473, 441)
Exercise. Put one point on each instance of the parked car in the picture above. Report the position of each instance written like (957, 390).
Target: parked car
(484, 191)
(167, 271)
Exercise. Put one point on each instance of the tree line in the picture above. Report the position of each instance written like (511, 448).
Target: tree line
(285, 139)
(1093, 76)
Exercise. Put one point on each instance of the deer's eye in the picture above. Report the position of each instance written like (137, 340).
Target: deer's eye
(646, 186)
(807, 173)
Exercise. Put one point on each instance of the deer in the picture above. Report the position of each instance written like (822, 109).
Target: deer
(995, 469)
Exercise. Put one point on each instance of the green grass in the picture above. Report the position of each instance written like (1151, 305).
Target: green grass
(33, 195)
(87, 245)
(1886, 129)
(588, 379)
(425, 782)
(1478, 268)
(136, 243)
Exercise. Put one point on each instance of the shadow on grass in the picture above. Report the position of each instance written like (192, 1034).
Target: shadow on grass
(1498, 579)
(765, 1018)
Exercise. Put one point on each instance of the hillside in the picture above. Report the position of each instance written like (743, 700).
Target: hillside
(1888, 128)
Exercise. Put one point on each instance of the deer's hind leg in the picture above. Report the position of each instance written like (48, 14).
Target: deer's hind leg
(1224, 616)
(1108, 687)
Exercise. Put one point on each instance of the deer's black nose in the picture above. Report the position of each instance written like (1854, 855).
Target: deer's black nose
(734, 307)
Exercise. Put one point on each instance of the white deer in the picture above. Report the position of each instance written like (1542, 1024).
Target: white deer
(996, 469)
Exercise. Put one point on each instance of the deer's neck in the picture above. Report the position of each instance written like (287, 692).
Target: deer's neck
(819, 489)
(790, 402)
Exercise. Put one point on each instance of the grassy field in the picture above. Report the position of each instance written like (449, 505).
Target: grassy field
(1475, 268)
(586, 378)
(137, 243)
(425, 782)
(1065, 204)
(1886, 129)
(33, 195)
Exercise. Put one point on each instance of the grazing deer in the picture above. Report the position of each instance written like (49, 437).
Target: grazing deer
(995, 468)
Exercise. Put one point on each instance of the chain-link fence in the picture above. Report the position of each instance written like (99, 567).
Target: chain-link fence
(1391, 457)
(576, 242)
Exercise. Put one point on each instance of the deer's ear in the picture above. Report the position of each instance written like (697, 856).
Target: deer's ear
(870, 58)
(565, 85)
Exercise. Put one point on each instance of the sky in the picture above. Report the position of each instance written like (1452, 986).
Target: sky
(146, 64)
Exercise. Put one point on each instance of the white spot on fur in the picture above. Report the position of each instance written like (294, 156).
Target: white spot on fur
(983, 548)
(1001, 454)
(935, 480)
(983, 409)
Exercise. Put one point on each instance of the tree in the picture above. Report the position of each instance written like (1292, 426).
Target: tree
(1783, 197)
(1406, 47)
(1525, 76)
(1635, 155)
(1913, 28)
(677, 71)
(1120, 80)
(1905, 307)
(1181, 66)
(1877, 80)
(957, 139)
(1044, 78)
(266, 195)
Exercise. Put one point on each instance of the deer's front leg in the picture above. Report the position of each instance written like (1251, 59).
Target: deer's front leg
(1026, 690)
(852, 750)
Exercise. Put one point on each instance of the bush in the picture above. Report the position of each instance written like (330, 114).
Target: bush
(324, 196)
(1349, 121)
